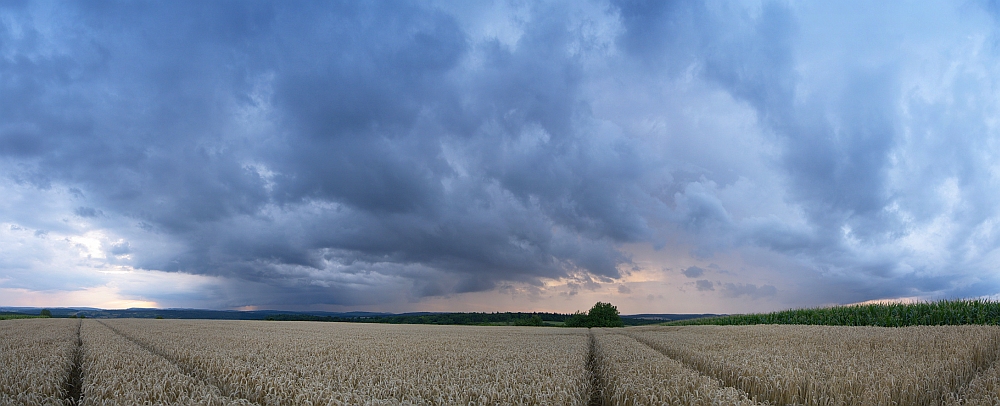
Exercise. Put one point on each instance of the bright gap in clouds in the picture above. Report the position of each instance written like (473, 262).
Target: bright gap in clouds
(506, 156)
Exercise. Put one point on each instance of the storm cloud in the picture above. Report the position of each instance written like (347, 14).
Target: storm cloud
(353, 153)
(693, 272)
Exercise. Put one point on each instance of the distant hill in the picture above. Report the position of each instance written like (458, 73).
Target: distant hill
(669, 316)
(498, 318)
(148, 313)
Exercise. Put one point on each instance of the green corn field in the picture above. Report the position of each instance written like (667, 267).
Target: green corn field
(939, 313)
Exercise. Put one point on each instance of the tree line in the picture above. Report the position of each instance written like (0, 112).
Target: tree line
(601, 315)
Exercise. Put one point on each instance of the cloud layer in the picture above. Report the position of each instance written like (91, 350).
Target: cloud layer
(351, 154)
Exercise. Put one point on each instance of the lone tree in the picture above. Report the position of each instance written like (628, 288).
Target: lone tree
(601, 315)
(605, 315)
(46, 313)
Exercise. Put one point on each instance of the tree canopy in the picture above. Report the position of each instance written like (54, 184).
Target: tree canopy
(601, 315)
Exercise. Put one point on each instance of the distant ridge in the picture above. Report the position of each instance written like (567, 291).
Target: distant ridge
(178, 313)
(670, 316)
(354, 316)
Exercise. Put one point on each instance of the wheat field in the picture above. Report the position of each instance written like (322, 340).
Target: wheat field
(631, 373)
(36, 357)
(212, 362)
(272, 363)
(833, 365)
(118, 371)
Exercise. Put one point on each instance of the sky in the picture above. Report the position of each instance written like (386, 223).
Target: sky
(666, 156)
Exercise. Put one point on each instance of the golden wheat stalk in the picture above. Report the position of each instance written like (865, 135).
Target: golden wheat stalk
(633, 374)
(36, 356)
(331, 363)
(829, 365)
(117, 371)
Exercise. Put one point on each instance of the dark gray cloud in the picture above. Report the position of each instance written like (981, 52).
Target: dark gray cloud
(693, 272)
(318, 149)
(120, 248)
(867, 161)
(349, 153)
(87, 212)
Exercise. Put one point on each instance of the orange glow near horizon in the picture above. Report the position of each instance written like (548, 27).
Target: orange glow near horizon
(101, 297)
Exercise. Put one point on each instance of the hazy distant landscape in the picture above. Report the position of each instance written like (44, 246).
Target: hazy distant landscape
(367, 317)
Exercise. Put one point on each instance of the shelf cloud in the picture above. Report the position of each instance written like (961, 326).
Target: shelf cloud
(354, 154)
